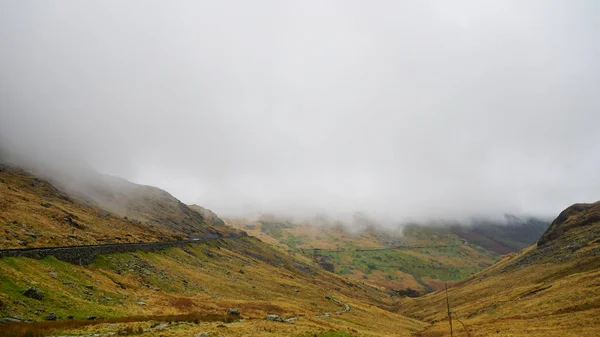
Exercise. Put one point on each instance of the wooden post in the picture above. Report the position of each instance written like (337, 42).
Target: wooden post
(448, 306)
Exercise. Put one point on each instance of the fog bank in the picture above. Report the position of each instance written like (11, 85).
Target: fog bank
(399, 110)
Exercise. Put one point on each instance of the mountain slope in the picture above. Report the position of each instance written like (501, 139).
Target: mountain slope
(90, 208)
(147, 204)
(545, 290)
(512, 235)
(34, 213)
(205, 279)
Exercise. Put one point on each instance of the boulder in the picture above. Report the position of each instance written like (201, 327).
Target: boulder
(34, 293)
(51, 317)
(274, 318)
(9, 320)
(233, 312)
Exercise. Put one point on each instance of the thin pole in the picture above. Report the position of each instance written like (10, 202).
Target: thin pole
(448, 305)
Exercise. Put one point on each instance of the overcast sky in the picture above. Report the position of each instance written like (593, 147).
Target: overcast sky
(399, 108)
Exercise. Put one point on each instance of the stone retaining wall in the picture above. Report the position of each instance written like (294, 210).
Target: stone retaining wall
(83, 255)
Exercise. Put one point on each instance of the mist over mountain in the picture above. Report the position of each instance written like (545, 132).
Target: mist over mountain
(403, 111)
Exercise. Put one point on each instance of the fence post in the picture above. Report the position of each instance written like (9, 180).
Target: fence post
(448, 306)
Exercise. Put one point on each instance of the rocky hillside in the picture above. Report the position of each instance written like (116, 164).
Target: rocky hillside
(147, 204)
(549, 289)
(208, 215)
(36, 212)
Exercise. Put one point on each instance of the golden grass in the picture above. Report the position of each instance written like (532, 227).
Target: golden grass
(519, 302)
(31, 205)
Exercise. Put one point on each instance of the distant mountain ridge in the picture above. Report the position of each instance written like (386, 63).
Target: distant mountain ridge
(511, 235)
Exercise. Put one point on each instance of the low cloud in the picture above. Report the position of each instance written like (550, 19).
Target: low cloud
(408, 110)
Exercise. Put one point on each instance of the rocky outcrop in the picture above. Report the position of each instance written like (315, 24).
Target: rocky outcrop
(207, 214)
(233, 312)
(274, 318)
(9, 320)
(577, 215)
(575, 228)
(326, 262)
(34, 293)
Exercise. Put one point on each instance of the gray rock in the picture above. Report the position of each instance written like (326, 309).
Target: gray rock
(141, 303)
(51, 317)
(161, 326)
(233, 312)
(9, 320)
(34, 293)
(274, 318)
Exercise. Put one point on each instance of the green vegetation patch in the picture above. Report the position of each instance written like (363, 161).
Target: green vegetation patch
(274, 228)
(389, 261)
